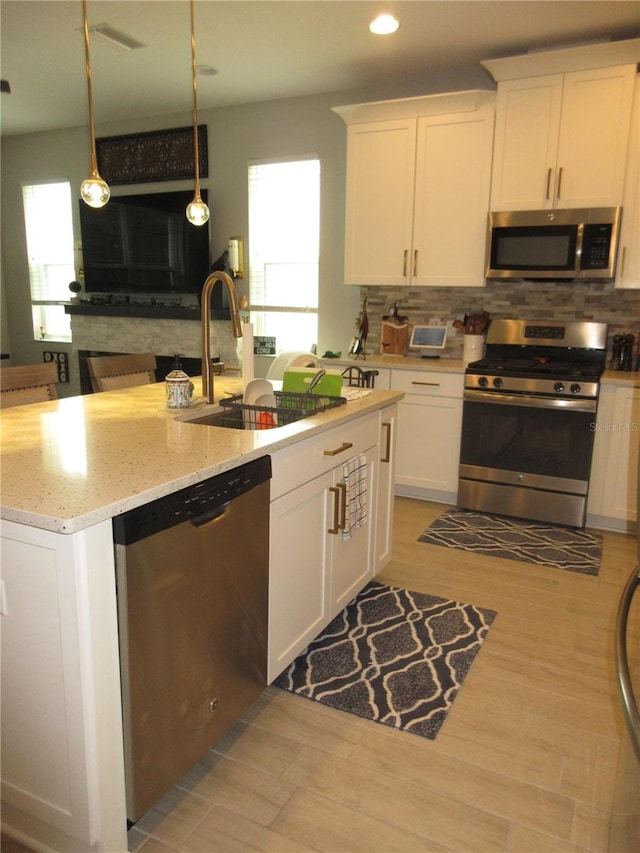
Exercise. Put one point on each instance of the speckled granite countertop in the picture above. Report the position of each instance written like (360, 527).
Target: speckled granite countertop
(621, 377)
(71, 463)
(403, 362)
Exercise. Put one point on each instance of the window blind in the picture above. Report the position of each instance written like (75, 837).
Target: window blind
(284, 229)
(49, 231)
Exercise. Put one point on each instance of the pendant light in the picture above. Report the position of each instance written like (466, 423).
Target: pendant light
(94, 191)
(197, 210)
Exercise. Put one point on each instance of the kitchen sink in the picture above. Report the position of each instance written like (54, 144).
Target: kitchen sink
(216, 417)
(234, 414)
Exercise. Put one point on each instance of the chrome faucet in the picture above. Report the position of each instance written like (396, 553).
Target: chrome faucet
(205, 323)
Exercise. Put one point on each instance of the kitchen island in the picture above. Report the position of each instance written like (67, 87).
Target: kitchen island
(68, 467)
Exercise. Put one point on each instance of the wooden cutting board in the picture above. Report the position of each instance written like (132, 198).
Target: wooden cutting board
(394, 338)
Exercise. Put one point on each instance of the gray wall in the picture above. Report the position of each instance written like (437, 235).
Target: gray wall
(236, 135)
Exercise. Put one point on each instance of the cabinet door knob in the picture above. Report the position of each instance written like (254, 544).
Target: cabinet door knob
(344, 446)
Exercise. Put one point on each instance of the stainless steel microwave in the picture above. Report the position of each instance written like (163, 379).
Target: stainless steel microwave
(553, 244)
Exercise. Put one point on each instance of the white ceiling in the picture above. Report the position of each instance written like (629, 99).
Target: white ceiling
(264, 49)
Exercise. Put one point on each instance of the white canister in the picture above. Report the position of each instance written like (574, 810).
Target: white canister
(472, 348)
(179, 388)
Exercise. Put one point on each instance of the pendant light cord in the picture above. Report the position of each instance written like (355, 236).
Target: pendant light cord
(196, 153)
(94, 159)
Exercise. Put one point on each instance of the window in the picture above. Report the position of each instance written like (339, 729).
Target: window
(284, 239)
(49, 228)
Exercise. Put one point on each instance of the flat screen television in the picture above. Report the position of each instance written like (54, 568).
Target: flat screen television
(143, 245)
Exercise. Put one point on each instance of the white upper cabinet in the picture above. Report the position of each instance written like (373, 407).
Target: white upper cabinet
(526, 141)
(628, 267)
(379, 204)
(561, 138)
(417, 195)
(594, 134)
(453, 173)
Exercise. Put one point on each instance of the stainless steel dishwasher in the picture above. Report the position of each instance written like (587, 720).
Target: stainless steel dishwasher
(193, 584)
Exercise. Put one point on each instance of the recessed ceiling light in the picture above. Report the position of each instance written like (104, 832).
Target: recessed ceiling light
(383, 25)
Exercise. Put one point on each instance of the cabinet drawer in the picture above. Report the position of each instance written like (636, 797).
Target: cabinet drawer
(300, 463)
(428, 383)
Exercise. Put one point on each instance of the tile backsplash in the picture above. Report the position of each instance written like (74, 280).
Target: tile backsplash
(527, 300)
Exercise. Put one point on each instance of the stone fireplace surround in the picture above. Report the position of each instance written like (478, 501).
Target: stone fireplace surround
(106, 334)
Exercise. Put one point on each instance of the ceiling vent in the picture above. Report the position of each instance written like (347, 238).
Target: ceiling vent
(115, 38)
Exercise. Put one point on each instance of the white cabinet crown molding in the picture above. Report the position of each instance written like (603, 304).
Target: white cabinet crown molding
(563, 60)
(422, 105)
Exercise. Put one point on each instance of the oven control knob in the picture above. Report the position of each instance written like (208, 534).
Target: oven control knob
(497, 382)
(559, 387)
(483, 381)
(575, 388)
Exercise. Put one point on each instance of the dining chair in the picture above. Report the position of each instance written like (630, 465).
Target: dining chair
(28, 383)
(356, 376)
(110, 372)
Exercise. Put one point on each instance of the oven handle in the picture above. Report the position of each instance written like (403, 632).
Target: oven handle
(492, 398)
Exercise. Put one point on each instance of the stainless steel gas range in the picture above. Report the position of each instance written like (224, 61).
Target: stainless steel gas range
(528, 420)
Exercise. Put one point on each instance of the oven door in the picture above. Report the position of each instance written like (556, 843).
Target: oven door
(528, 457)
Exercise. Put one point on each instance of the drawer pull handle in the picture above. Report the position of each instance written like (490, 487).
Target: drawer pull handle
(336, 506)
(549, 172)
(404, 264)
(344, 446)
(415, 263)
(431, 384)
(559, 182)
(387, 450)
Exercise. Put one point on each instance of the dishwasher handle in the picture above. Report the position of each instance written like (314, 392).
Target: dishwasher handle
(200, 502)
(211, 514)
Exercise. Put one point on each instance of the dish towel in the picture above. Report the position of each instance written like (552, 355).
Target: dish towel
(355, 475)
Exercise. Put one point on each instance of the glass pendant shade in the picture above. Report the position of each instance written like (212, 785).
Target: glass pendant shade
(197, 211)
(94, 191)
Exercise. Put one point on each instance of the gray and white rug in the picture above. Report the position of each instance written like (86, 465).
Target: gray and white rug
(517, 539)
(392, 656)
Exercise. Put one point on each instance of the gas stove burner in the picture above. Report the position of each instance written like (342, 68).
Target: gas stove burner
(549, 354)
(540, 366)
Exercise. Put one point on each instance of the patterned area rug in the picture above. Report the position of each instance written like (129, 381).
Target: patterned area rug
(515, 539)
(392, 656)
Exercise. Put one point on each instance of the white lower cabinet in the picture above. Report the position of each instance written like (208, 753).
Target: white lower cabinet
(386, 484)
(429, 428)
(62, 750)
(350, 560)
(613, 487)
(314, 571)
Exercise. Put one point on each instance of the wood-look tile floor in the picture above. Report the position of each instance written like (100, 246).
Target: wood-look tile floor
(524, 762)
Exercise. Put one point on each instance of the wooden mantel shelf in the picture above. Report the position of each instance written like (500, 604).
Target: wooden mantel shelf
(157, 312)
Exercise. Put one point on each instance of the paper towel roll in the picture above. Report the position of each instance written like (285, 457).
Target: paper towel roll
(247, 354)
